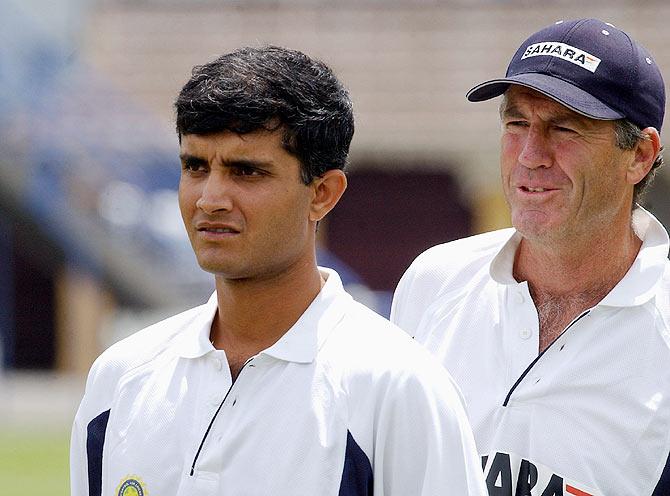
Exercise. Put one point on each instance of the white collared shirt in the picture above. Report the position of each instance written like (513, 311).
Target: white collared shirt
(591, 413)
(344, 401)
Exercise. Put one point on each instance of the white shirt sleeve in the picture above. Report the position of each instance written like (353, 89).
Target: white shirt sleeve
(94, 407)
(78, 467)
(425, 445)
(407, 305)
(422, 442)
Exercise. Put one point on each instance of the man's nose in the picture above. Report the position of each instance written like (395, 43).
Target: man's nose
(535, 152)
(217, 194)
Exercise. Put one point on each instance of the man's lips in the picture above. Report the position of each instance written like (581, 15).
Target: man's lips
(216, 229)
(535, 189)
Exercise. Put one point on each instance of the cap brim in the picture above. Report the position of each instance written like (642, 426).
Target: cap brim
(563, 92)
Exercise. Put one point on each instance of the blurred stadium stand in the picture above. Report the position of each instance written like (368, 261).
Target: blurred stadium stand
(91, 241)
(90, 219)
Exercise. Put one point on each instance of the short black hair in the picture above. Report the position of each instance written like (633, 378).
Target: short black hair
(271, 87)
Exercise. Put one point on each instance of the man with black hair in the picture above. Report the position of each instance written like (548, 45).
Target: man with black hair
(558, 330)
(281, 384)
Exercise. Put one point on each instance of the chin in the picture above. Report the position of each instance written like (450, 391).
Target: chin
(543, 232)
(217, 268)
(533, 230)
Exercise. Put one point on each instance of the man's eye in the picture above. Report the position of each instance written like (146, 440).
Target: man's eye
(516, 124)
(244, 170)
(192, 167)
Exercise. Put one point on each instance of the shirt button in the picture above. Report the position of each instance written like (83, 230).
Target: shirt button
(216, 362)
(519, 298)
(525, 333)
(214, 401)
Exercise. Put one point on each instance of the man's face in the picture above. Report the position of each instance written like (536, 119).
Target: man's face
(244, 205)
(562, 173)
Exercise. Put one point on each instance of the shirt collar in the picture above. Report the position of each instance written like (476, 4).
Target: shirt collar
(639, 283)
(303, 340)
(299, 344)
(501, 269)
(194, 341)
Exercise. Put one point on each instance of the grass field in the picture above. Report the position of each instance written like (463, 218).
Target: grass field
(34, 462)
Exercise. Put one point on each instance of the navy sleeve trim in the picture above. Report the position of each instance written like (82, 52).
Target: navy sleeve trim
(95, 441)
(357, 479)
(663, 486)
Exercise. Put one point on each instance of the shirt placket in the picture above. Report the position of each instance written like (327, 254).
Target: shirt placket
(208, 459)
(522, 330)
(544, 367)
(215, 382)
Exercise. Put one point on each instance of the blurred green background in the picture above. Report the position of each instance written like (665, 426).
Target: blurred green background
(34, 462)
(36, 412)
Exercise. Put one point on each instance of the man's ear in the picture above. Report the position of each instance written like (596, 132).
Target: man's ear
(646, 152)
(328, 190)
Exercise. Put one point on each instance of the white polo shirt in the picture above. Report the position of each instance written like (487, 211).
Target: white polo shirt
(590, 415)
(343, 404)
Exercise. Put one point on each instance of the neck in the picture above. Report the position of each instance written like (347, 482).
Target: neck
(564, 281)
(591, 265)
(254, 313)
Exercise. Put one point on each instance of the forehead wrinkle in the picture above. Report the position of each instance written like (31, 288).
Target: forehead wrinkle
(555, 112)
(208, 149)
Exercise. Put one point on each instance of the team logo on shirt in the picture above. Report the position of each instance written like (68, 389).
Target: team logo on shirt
(131, 486)
(508, 474)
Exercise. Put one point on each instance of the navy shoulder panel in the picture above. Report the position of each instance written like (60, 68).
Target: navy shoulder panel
(95, 441)
(357, 479)
(663, 486)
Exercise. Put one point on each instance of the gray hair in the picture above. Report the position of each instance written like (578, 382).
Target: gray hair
(627, 135)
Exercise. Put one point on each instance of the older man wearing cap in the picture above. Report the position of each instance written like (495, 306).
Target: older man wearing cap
(558, 330)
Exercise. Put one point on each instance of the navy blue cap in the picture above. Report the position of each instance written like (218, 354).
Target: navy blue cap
(590, 67)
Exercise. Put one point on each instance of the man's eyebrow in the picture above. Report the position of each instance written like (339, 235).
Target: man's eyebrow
(513, 112)
(191, 160)
(194, 160)
(510, 111)
(244, 162)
